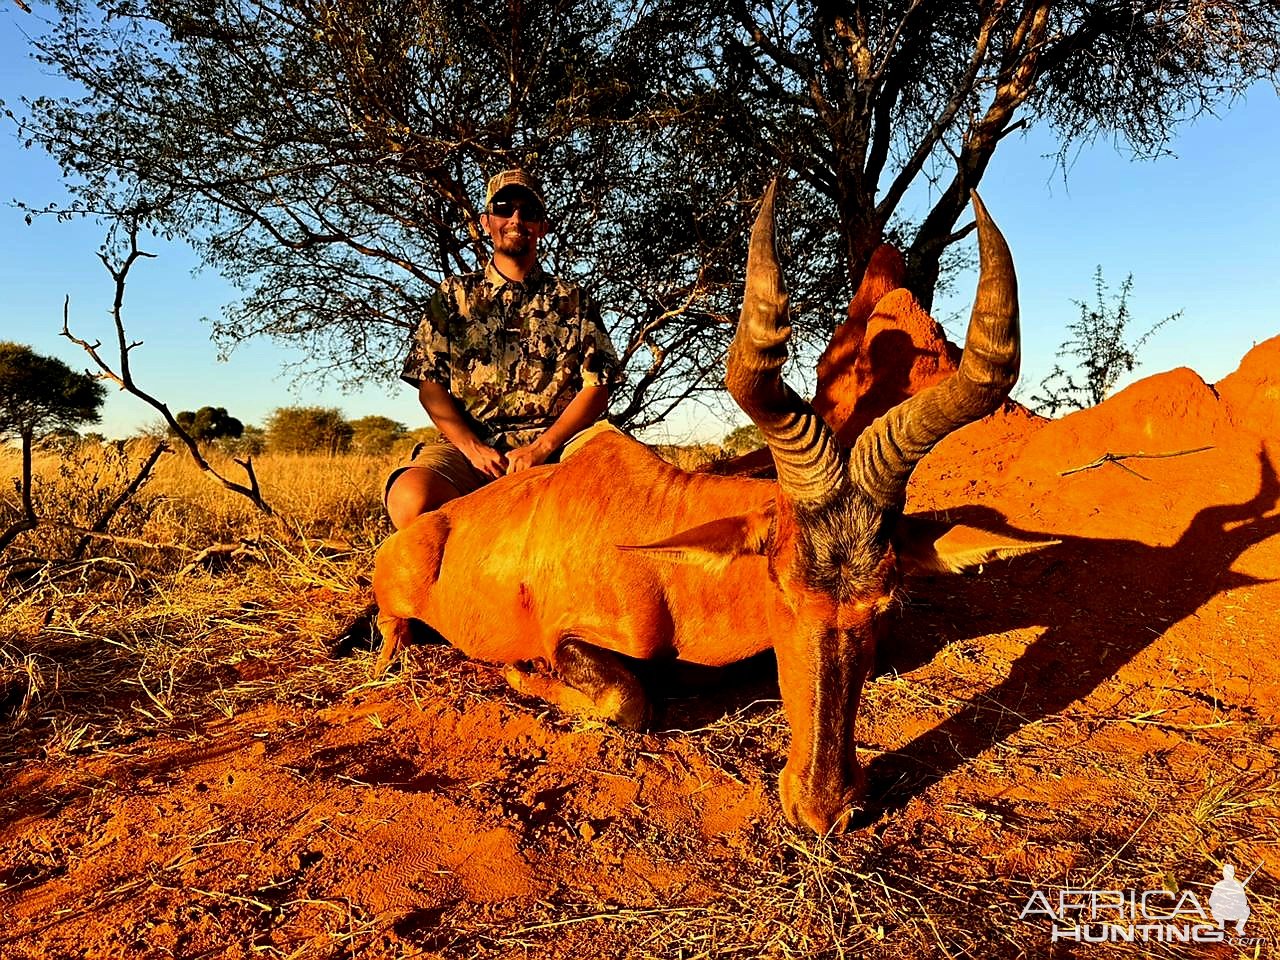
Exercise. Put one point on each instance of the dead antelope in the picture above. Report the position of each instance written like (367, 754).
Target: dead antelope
(615, 551)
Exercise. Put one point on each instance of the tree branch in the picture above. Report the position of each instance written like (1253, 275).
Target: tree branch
(1117, 457)
(125, 379)
(959, 93)
(100, 525)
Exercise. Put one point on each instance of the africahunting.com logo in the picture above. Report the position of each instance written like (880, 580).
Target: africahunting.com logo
(1147, 916)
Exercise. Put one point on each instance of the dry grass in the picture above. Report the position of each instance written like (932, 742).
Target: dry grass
(129, 639)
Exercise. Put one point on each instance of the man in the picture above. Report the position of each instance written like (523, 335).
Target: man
(510, 363)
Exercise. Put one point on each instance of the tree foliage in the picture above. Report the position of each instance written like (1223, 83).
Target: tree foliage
(742, 440)
(210, 423)
(375, 435)
(1100, 350)
(327, 155)
(308, 430)
(40, 395)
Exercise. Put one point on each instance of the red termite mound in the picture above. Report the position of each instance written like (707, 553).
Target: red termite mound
(1252, 392)
(1202, 444)
(887, 349)
(1146, 462)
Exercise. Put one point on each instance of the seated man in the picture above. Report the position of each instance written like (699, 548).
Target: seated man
(510, 362)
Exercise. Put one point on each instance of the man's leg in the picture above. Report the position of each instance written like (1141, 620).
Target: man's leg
(437, 474)
(417, 490)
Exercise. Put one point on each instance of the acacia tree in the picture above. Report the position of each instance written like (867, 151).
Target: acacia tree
(40, 395)
(326, 154)
(308, 430)
(209, 423)
(375, 435)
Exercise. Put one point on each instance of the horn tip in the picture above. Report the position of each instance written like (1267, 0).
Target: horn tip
(979, 208)
(767, 202)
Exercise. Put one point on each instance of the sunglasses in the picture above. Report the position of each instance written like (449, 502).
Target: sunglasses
(505, 209)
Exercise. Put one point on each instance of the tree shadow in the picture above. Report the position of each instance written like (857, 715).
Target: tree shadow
(1101, 602)
(891, 357)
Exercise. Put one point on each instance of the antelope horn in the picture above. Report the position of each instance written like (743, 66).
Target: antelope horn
(805, 452)
(885, 454)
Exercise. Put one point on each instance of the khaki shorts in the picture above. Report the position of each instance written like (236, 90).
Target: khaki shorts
(447, 461)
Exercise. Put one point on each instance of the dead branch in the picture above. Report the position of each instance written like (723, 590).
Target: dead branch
(21, 526)
(216, 551)
(100, 525)
(1117, 457)
(115, 538)
(124, 379)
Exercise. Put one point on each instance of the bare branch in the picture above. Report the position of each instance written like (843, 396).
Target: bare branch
(124, 378)
(1117, 457)
(959, 94)
(100, 525)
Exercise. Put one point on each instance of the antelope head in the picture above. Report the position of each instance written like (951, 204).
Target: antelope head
(830, 537)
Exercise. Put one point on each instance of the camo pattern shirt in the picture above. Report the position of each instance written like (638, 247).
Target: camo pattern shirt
(513, 354)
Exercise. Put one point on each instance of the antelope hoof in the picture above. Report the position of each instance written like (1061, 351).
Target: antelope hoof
(395, 638)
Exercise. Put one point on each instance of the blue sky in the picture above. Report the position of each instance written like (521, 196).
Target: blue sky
(1196, 229)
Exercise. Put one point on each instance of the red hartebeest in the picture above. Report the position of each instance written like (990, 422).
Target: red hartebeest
(615, 551)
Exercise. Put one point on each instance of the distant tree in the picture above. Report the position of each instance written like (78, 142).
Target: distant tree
(308, 430)
(209, 423)
(1099, 348)
(154, 431)
(743, 440)
(251, 442)
(375, 435)
(328, 155)
(60, 440)
(38, 396)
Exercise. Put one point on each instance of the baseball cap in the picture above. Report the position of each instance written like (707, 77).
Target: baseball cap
(514, 177)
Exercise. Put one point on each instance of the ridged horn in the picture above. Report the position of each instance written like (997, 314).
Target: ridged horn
(887, 451)
(805, 452)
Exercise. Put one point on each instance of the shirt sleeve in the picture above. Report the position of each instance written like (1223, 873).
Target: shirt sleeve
(429, 356)
(600, 366)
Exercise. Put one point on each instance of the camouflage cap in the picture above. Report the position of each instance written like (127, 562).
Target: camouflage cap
(513, 178)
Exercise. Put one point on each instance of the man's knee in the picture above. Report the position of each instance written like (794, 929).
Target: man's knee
(579, 439)
(417, 491)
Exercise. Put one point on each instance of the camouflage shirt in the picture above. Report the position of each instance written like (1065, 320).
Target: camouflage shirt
(513, 354)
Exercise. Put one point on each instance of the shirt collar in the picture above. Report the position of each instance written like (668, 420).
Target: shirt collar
(496, 280)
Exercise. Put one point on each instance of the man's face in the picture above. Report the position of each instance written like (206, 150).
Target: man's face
(516, 222)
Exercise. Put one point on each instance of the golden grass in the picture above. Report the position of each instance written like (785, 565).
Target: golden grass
(180, 507)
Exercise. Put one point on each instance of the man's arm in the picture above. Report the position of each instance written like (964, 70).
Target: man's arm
(445, 413)
(582, 411)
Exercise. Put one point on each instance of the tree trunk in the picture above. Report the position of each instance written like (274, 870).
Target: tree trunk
(29, 520)
(863, 233)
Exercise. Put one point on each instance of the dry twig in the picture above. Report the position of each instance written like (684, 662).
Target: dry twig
(1117, 457)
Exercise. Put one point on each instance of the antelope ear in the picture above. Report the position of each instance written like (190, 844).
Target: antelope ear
(714, 545)
(926, 546)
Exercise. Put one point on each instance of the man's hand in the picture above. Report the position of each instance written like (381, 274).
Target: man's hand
(530, 455)
(487, 460)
